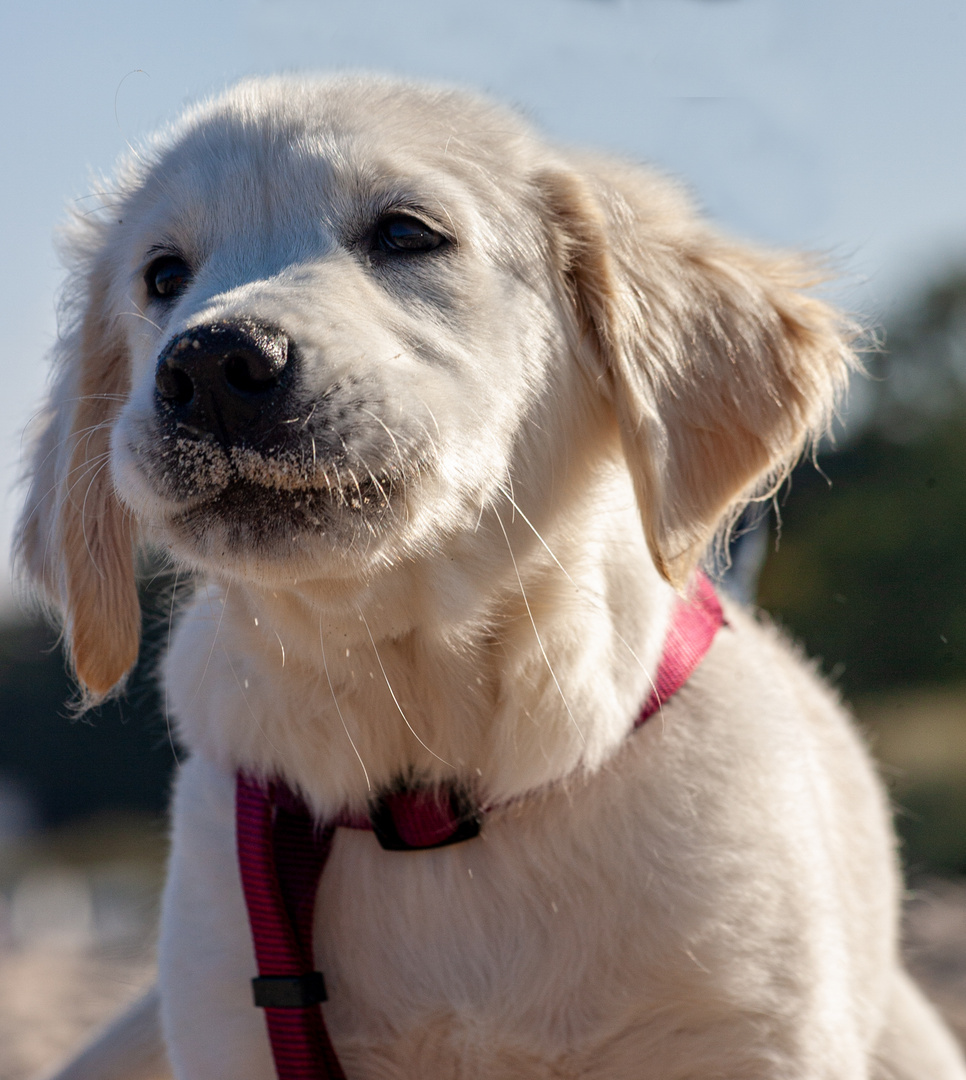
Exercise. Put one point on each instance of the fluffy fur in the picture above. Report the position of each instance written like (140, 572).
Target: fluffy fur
(431, 566)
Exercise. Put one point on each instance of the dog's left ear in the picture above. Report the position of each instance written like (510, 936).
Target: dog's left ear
(719, 365)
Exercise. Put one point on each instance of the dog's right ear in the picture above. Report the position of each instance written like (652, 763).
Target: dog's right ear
(718, 363)
(76, 540)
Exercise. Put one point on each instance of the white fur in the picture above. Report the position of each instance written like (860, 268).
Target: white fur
(713, 895)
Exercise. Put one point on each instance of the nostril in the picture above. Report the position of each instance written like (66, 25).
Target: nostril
(250, 374)
(174, 385)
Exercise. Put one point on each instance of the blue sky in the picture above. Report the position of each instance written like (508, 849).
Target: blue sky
(834, 125)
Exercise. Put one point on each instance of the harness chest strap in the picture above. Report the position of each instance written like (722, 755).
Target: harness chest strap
(282, 852)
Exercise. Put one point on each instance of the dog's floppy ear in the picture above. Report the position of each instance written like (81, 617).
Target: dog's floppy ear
(719, 365)
(76, 539)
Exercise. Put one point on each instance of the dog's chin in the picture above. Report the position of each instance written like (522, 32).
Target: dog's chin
(246, 527)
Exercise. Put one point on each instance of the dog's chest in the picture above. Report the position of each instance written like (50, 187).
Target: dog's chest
(500, 942)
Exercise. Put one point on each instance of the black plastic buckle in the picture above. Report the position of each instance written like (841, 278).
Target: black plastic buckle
(289, 991)
(467, 817)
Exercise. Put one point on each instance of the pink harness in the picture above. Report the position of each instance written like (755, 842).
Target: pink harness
(282, 851)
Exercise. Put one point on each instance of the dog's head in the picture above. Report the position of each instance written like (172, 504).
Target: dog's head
(322, 328)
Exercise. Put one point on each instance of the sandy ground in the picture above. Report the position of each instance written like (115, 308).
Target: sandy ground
(935, 945)
(52, 998)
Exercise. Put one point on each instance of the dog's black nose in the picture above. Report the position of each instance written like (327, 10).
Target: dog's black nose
(219, 379)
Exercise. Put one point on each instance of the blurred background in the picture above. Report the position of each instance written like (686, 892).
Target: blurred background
(830, 125)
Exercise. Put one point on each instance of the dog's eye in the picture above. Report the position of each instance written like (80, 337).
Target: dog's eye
(399, 232)
(167, 277)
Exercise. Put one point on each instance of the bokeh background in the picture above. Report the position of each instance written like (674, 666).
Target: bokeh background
(830, 125)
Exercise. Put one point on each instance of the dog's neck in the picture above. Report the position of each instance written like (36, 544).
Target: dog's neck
(529, 686)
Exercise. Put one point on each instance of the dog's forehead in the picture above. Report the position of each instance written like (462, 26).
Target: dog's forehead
(330, 152)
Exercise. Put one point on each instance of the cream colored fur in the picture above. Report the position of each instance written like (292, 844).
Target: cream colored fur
(565, 402)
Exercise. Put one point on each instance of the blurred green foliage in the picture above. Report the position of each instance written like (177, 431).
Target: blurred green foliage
(116, 757)
(869, 572)
(931, 822)
(870, 568)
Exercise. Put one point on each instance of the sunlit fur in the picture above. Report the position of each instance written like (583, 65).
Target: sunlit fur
(531, 437)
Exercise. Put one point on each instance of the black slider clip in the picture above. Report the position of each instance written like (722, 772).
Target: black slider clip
(289, 991)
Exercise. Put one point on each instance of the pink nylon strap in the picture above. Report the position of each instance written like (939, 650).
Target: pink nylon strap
(282, 853)
(281, 856)
(696, 619)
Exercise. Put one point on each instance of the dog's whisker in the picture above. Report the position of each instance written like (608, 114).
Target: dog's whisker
(214, 639)
(382, 491)
(511, 500)
(536, 632)
(595, 598)
(429, 446)
(41, 500)
(338, 709)
(355, 480)
(308, 420)
(140, 315)
(392, 693)
(117, 120)
(392, 437)
(76, 437)
(83, 516)
(75, 399)
(83, 472)
(95, 465)
(94, 195)
(432, 416)
(243, 690)
(90, 432)
(98, 209)
(165, 707)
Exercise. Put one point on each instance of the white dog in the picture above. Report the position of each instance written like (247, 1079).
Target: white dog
(399, 383)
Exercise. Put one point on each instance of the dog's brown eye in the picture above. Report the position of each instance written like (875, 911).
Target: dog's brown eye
(408, 234)
(167, 277)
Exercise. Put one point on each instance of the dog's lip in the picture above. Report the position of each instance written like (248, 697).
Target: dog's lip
(212, 469)
(284, 473)
(372, 492)
(252, 519)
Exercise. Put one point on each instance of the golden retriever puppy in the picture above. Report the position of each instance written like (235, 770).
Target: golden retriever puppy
(442, 419)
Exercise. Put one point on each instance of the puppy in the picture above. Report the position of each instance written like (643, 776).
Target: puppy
(442, 419)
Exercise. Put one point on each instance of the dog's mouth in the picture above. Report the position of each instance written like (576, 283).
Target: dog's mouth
(252, 516)
(255, 501)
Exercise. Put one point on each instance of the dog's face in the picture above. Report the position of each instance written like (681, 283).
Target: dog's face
(335, 327)
(325, 328)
